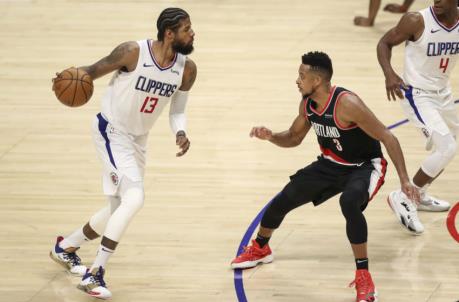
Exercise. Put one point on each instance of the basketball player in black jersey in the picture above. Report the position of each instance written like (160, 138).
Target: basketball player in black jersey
(351, 163)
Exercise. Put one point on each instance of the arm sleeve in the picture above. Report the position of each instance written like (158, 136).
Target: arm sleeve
(177, 118)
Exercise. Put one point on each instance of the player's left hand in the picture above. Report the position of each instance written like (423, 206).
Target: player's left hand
(182, 141)
(411, 192)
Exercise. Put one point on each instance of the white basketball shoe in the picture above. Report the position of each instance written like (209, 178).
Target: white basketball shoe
(70, 261)
(94, 285)
(405, 211)
(431, 204)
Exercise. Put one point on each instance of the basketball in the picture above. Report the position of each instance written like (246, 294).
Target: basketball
(73, 87)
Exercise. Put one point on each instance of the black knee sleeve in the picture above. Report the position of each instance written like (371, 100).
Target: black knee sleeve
(277, 210)
(351, 202)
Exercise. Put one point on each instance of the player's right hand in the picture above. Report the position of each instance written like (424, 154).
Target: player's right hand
(261, 133)
(54, 79)
(411, 192)
(393, 87)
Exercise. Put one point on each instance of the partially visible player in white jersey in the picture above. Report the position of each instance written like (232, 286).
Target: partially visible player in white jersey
(148, 75)
(431, 37)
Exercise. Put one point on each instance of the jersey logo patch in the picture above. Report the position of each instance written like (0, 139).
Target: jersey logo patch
(114, 178)
(425, 132)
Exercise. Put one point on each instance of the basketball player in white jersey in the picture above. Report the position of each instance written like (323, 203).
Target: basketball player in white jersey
(148, 75)
(431, 37)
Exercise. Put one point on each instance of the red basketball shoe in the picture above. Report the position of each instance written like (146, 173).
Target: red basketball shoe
(253, 255)
(366, 291)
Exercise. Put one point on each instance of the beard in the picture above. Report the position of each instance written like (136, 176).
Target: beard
(184, 49)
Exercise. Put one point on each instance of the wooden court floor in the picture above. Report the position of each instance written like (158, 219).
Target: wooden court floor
(198, 207)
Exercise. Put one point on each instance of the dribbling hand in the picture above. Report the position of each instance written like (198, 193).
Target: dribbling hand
(411, 192)
(182, 141)
(261, 133)
(393, 84)
(58, 76)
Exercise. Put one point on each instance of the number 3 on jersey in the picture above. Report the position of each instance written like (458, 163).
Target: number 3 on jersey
(444, 64)
(149, 105)
(338, 145)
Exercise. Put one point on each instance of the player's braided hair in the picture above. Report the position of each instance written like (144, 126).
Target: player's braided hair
(170, 19)
(319, 61)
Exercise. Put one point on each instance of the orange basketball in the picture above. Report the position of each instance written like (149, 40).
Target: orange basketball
(73, 87)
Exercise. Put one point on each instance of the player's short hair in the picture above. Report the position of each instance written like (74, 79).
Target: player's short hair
(170, 19)
(320, 62)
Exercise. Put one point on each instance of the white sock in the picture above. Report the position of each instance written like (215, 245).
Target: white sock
(422, 190)
(103, 253)
(76, 239)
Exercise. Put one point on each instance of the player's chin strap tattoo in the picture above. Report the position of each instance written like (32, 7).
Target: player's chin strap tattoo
(182, 141)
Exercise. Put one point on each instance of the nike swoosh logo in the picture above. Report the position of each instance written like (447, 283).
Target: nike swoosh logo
(434, 31)
(145, 65)
(309, 114)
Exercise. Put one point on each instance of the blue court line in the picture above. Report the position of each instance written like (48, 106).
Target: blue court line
(238, 279)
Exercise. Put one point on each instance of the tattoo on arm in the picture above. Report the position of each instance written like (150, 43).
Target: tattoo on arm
(114, 61)
(189, 75)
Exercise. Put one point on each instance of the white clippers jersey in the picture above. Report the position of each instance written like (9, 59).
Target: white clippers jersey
(134, 100)
(430, 59)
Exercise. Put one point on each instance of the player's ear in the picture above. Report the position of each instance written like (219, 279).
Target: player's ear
(169, 34)
(317, 79)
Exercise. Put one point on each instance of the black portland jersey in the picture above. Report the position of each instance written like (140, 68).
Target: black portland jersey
(343, 145)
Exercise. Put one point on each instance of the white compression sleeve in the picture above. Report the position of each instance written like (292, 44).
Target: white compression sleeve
(177, 118)
(132, 199)
(445, 150)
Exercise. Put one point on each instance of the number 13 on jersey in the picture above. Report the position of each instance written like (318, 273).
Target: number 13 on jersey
(149, 105)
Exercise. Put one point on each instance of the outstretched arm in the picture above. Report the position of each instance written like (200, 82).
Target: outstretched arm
(124, 57)
(351, 109)
(288, 138)
(410, 27)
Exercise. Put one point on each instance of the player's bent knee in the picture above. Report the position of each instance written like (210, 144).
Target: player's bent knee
(446, 145)
(450, 151)
(352, 200)
(133, 198)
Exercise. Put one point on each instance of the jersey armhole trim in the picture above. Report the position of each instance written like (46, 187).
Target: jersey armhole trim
(126, 74)
(424, 14)
(353, 125)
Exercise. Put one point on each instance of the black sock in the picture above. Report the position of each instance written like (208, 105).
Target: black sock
(361, 263)
(262, 241)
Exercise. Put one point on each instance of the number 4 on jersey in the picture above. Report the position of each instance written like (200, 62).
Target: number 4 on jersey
(444, 64)
(149, 105)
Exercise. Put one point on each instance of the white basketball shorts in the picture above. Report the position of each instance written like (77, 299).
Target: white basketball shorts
(431, 111)
(121, 154)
